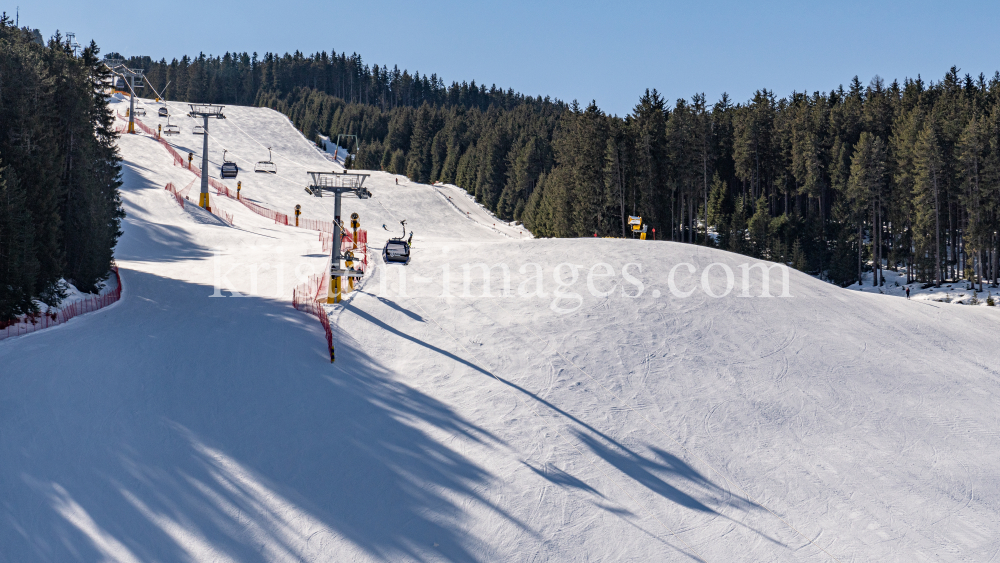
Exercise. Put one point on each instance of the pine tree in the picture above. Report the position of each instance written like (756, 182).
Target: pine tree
(799, 260)
(865, 190)
(60, 209)
(795, 152)
(18, 265)
(927, 194)
(648, 126)
(972, 154)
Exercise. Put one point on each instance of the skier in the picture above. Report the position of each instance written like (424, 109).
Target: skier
(397, 181)
(907, 292)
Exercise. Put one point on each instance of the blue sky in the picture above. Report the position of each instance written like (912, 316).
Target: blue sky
(609, 52)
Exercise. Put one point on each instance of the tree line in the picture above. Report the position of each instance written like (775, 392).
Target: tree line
(60, 209)
(239, 78)
(838, 183)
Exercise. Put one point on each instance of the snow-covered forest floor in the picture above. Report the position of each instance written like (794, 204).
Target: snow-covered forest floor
(590, 413)
(960, 292)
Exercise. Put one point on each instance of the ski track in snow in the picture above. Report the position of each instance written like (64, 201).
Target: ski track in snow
(832, 426)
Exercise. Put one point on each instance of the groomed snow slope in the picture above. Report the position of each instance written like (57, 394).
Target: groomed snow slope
(826, 426)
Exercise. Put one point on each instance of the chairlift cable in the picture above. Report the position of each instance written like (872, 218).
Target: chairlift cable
(236, 155)
(244, 159)
(254, 139)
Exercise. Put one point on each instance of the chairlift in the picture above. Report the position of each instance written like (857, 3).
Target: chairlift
(266, 166)
(162, 112)
(397, 249)
(169, 129)
(140, 111)
(229, 168)
(198, 130)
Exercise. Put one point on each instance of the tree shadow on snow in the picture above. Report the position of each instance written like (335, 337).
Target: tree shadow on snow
(673, 479)
(653, 472)
(156, 431)
(170, 243)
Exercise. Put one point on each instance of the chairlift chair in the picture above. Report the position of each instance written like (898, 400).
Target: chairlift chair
(229, 168)
(397, 250)
(169, 129)
(266, 166)
(162, 112)
(198, 130)
(140, 111)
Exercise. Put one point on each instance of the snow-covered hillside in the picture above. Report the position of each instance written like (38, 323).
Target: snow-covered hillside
(590, 413)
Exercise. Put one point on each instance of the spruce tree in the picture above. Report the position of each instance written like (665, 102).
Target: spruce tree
(927, 195)
(18, 265)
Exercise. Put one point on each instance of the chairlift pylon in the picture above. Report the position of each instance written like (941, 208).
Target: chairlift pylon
(229, 168)
(266, 166)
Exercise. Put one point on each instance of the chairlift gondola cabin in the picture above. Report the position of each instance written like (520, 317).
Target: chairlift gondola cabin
(198, 130)
(266, 166)
(162, 112)
(397, 250)
(229, 168)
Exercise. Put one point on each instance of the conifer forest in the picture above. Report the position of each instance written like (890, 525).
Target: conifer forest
(60, 208)
(902, 175)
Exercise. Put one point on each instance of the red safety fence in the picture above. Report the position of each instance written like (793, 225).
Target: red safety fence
(347, 243)
(316, 225)
(177, 157)
(222, 214)
(218, 212)
(170, 188)
(324, 227)
(145, 129)
(345, 237)
(221, 188)
(26, 325)
(306, 297)
(187, 189)
(279, 218)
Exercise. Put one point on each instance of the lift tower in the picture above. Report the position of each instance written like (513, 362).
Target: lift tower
(338, 184)
(205, 111)
(133, 78)
(357, 145)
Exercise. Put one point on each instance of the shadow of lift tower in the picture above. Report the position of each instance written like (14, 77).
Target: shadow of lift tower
(337, 184)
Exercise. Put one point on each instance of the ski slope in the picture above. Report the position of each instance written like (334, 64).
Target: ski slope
(829, 425)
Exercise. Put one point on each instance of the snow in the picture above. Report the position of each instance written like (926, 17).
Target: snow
(831, 425)
(961, 292)
(335, 153)
(74, 295)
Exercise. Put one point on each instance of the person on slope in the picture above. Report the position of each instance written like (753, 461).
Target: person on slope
(907, 292)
